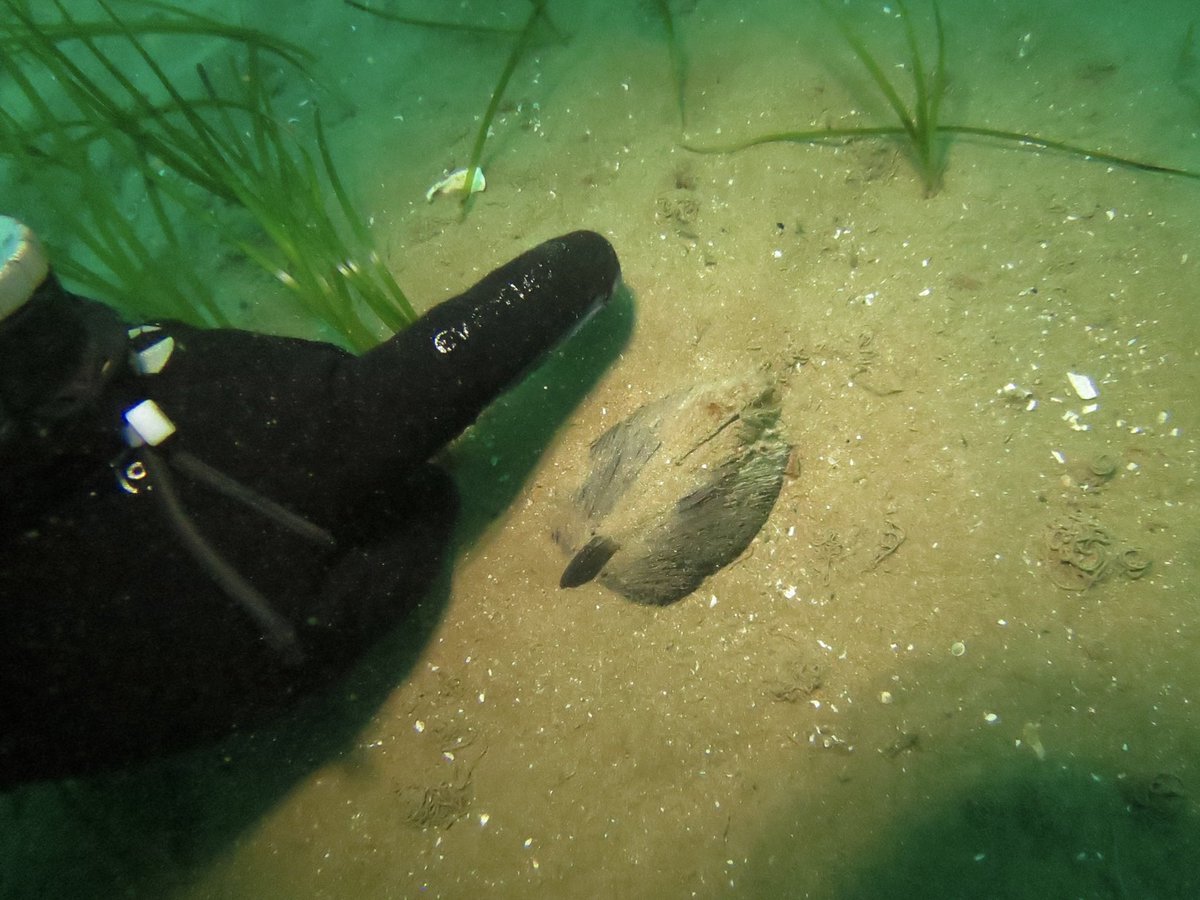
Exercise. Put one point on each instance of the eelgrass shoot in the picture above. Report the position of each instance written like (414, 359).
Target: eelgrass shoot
(918, 124)
(435, 24)
(516, 54)
(202, 158)
(74, 195)
(522, 39)
(171, 20)
(677, 59)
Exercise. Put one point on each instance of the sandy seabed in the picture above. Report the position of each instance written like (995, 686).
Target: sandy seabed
(908, 685)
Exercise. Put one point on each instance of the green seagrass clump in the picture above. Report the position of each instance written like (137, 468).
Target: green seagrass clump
(918, 124)
(92, 105)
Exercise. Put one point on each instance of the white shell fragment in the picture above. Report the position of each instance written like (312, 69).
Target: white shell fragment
(1083, 386)
(456, 182)
(1015, 393)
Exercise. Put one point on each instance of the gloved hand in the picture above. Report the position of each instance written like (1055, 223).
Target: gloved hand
(196, 526)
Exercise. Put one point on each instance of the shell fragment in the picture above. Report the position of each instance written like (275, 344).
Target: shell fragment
(1083, 386)
(456, 182)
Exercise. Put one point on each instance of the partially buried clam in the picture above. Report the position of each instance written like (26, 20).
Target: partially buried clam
(676, 490)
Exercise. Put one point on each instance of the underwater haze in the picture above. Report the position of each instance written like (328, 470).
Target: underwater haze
(961, 658)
